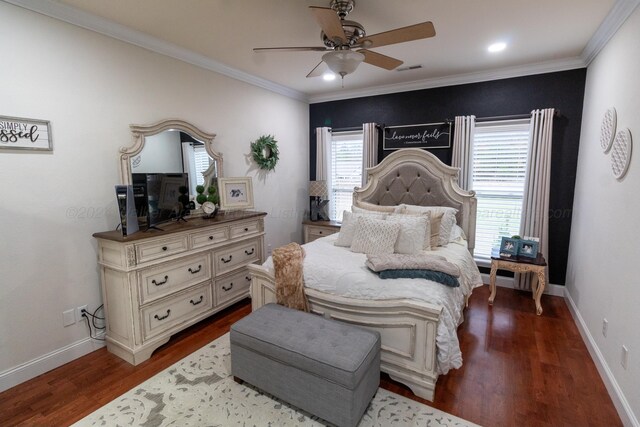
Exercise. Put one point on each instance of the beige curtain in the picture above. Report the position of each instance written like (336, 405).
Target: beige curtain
(369, 149)
(323, 154)
(462, 149)
(535, 206)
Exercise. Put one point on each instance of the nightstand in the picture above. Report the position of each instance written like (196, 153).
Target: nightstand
(536, 266)
(315, 229)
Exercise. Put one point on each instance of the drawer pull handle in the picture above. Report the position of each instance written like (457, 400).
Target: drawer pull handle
(210, 237)
(248, 278)
(251, 252)
(166, 279)
(197, 302)
(319, 232)
(164, 248)
(224, 288)
(195, 271)
(227, 260)
(163, 317)
(246, 229)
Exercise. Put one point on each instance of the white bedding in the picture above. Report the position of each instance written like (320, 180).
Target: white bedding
(337, 270)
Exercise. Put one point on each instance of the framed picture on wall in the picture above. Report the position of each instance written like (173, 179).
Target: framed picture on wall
(236, 193)
(425, 135)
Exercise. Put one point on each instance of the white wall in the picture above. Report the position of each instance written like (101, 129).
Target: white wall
(602, 277)
(91, 88)
(162, 154)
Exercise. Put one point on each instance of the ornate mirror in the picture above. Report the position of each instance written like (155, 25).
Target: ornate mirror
(171, 146)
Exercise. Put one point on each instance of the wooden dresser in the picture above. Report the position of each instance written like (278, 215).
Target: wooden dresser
(156, 283)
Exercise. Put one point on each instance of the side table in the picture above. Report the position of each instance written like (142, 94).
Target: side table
(536, 266)
(315, 229)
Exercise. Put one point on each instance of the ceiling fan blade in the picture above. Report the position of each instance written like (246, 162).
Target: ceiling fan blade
(292, 49)
(330, 23)
(380, 60)
(400, 35)
(318, 70)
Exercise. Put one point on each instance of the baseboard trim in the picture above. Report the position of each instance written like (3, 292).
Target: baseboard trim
(38, 366)
(507, 282)
(615, 392)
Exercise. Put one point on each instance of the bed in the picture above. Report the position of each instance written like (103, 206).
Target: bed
(419, 340)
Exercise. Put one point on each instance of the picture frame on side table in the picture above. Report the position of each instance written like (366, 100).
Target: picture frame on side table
(509, 247)
(236, 193)
(528, 248)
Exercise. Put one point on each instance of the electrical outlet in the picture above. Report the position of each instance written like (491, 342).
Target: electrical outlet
(80, 308)
(624, 357)
(68, 317)
(605, 326)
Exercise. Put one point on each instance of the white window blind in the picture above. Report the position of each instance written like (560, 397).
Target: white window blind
(346, 171)
(202, 161)
(498, 175)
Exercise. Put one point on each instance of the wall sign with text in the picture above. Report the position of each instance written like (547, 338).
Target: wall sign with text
(25, 134)
(426, 135)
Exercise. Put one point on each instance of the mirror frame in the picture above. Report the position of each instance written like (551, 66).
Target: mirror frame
(140, 132)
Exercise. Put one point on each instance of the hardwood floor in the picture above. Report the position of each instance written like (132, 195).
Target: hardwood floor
(519, 370)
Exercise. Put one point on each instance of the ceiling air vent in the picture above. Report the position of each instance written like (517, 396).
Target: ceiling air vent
(410, 67)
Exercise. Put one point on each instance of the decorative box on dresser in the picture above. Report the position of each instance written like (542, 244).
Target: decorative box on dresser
(158, 282)
(316, 229)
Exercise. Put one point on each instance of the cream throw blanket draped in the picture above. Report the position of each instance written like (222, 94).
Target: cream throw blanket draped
(288, 264)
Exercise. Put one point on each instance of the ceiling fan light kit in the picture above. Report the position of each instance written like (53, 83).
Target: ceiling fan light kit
(343, 62)
(340, 37)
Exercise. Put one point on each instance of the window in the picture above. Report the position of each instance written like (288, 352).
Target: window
(499, 166)
(346, 171)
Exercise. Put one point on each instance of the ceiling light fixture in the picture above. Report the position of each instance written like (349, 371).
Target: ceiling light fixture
(343, 62)
(497, 47)
(329, 76)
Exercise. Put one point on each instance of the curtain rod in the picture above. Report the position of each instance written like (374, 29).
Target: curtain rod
(510, 117)
(349, 129)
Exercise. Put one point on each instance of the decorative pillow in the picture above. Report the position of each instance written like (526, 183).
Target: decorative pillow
(349, 225)
(365, 207)
(375, 236)
(411, 232)
(446, 223)
(457, 233)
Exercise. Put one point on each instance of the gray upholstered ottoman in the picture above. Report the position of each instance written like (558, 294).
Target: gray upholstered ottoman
(328, 368)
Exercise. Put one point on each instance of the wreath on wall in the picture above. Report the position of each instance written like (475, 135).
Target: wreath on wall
(265, 152)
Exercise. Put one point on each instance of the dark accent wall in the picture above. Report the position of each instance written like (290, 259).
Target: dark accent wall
(563, 91)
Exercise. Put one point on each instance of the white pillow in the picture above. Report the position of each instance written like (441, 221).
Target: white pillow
(364, 207)
(446, 224)
(350, 224)
(375, 236)
(457, 233)
(415, 232)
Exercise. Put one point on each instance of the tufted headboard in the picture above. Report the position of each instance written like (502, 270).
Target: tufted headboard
(417, 177)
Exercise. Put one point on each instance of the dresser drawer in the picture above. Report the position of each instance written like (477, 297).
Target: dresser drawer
(245, 229)
(227, 288)
(228, 259)
(160, 248)
(163, 315)
(209, 238)
(315, 232)
(159, 281)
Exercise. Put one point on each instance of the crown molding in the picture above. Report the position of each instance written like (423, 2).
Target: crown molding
(618, 14)
(459, 79)
(77, 17)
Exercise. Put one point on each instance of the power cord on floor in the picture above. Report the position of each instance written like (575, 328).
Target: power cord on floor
(86, 315)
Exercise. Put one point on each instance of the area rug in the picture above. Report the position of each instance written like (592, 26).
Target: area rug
(199, 391)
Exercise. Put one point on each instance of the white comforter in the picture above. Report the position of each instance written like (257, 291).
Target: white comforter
(337, 270)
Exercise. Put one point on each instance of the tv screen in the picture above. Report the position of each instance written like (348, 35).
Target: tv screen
(158, 198)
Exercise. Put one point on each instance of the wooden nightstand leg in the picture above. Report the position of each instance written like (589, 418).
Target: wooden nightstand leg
(492, 282)
(539, 291)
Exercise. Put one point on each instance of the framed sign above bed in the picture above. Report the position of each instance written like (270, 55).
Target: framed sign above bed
(425, 135)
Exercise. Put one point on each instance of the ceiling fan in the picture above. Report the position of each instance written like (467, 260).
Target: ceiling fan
(348, 44)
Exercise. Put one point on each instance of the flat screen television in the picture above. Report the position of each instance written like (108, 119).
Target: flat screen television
(157, 197)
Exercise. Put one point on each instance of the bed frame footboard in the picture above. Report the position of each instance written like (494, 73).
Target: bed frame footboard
(407, 328)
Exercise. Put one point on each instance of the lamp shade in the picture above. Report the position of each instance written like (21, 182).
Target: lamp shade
(318, 189)
(343, 62)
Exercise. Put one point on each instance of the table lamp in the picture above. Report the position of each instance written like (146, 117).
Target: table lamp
(318, 191)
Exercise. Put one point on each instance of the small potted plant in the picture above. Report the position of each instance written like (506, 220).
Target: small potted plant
(208, 202)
